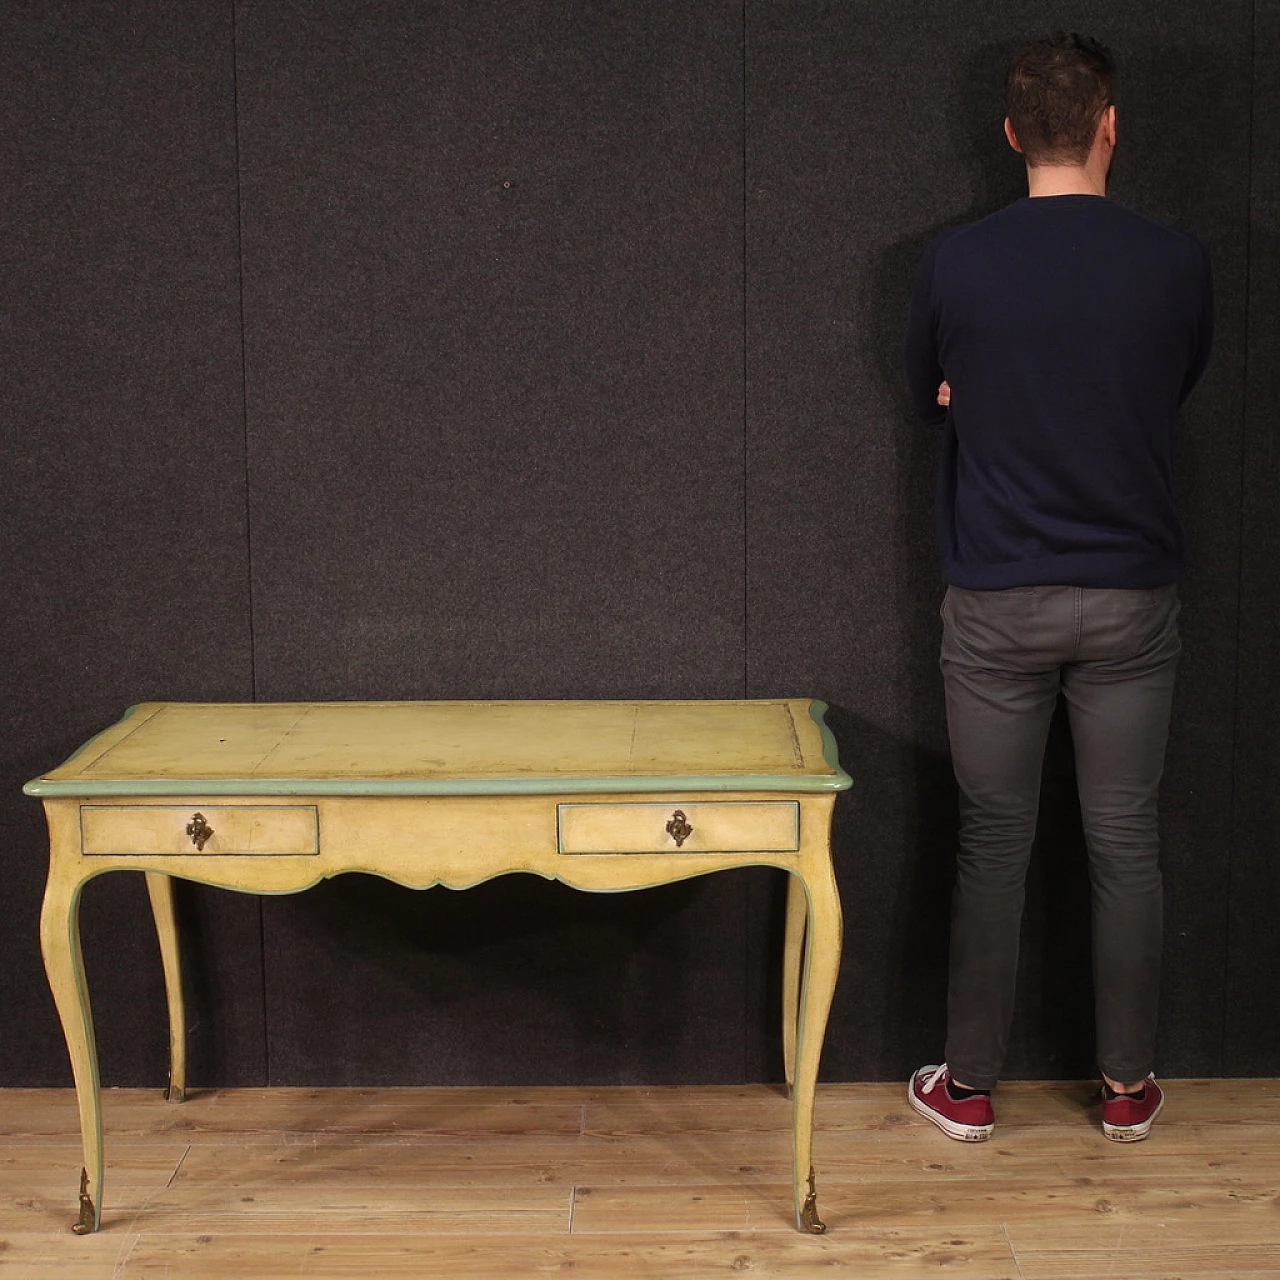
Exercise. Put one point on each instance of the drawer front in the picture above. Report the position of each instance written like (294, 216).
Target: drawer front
(213, 830)
(731, 826)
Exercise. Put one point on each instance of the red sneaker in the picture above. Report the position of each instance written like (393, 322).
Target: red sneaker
(969, 1120)
(1128, 1117)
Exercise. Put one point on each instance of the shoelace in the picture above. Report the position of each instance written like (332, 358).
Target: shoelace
(931, 1083)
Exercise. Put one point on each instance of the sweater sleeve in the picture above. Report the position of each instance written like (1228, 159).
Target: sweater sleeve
(924, 372)
(1204, 327)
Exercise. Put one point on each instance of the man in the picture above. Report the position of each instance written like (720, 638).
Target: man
(1053, 343)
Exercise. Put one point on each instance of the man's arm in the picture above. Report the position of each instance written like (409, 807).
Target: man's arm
(924, 373)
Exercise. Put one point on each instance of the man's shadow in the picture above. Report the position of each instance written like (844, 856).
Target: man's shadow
(1053, 1032)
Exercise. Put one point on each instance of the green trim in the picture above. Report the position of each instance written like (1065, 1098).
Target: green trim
(539, 786)
(830, 753)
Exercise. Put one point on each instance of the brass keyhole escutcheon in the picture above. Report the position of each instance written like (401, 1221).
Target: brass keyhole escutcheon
(199, 830)
(678, 828)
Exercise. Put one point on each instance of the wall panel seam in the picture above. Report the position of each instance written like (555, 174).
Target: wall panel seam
(744, 898)
(746, 526)
(1233, 834)
(244, 366)
(248, 493)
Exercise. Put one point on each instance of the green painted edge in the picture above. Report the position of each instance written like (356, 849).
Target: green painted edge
(830, 752)
(540, 786)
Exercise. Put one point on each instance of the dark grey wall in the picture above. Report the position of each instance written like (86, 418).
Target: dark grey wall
(1252, 1041)
(529, 350)
(124, 556)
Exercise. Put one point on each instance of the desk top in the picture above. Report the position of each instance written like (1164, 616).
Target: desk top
(454, 748)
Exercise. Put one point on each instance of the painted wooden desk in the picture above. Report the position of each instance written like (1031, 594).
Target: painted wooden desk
(273, 797)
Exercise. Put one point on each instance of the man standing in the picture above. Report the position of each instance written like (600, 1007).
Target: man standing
(1053, 343)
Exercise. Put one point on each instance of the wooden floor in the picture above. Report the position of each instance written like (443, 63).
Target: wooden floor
(326, 1184)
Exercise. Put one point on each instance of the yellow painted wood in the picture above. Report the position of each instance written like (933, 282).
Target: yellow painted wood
(792, 966)
(162, 830)
(720, 826)
(445, 793)
(821, 967)
(64, 968)
(459, 841)
(160, 891)
(426, 745)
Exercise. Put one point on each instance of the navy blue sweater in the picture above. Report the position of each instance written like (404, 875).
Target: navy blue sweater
(1070, 330)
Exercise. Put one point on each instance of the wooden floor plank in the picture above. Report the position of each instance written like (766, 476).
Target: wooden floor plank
(1080, 1150)
(359, 1208)
(607, 1112)
(902, 1255)
(1246, 1262)
(1166, 1254)
(63, 1256)
(488, 1163)
(668, 1183)
(730, 1159)
(427, 1115)
(464, 1158)
(46, 1110)
(1106, 1206)
(32, 1167)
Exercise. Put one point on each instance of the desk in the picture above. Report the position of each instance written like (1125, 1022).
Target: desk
(604, 796)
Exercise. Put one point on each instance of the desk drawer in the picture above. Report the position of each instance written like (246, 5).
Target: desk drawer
(170, 830)
(730, 826)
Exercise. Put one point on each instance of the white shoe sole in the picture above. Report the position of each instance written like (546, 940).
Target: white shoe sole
(952, 1128)
(1132, 1132)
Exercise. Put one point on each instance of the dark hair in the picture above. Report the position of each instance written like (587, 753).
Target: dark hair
(1055, 94)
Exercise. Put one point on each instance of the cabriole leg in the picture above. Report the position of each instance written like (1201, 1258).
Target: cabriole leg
(64, 966)
(792, 967)
(160, 891)
(821, 968)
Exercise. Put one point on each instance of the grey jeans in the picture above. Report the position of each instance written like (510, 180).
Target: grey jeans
(1006, 655)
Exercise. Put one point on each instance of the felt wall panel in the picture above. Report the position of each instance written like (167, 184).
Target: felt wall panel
(517, 981)
(122, 546)
(492, 260)
(493, 333)
(1253, 991)
(500, 430)
(867, 132)
(1186, 162)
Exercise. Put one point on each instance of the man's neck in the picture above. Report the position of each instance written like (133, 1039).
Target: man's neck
(1066, 180)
